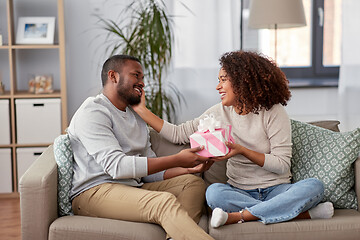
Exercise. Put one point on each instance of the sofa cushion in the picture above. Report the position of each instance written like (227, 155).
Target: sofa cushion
(345, 224)
(328, 156)
(64, 160)
(216, 174)
(88, 228)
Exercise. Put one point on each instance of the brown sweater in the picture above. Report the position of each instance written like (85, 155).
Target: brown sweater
(268, 132)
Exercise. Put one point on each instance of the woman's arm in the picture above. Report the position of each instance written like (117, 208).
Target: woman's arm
(150, 118)
(175, 134)
(278, 160)
(255, 157)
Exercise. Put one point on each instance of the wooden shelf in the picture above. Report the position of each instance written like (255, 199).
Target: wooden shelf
(5, 95)
(15, 67)
(25, 94)
(33, 145)
(34, 46)
(31, 46)
(25, 145)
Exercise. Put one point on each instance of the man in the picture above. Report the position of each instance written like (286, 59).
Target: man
(117, 175)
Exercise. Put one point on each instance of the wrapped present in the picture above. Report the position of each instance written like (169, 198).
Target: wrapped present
(212, 136)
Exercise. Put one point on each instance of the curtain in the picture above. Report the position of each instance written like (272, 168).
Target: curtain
(203, 30)
(349, 81)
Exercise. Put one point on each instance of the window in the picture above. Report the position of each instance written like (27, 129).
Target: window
(307, 55)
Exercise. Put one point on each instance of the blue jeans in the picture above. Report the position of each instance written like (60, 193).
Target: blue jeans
(271, 205)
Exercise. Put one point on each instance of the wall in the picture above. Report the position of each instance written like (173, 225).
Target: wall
(85, 54)
(306, 104)
(313, 104)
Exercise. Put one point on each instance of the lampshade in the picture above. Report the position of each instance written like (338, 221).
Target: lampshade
(272, 14)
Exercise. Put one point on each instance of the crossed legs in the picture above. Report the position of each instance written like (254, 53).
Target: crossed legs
(270, 205)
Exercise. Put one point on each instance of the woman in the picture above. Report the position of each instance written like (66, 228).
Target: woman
(253, 92)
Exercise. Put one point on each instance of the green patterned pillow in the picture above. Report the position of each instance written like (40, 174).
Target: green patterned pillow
(329, 157)
(64, 159)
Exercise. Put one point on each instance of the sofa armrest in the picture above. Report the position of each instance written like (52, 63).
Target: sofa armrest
(38, 197)
(357, 180)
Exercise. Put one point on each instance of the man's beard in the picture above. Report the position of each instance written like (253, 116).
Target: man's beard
(126, 95)
(133, 100)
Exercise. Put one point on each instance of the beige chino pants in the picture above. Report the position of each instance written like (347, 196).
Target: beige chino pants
(176, 204)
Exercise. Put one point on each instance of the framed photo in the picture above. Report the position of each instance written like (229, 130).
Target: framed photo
(35, 30)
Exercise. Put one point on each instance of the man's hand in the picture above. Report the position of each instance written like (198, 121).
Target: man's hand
(188, 158)
(184, 160)
(202, 167)
(177, 171)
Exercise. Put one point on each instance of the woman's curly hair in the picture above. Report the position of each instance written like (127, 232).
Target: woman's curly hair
(256, 80)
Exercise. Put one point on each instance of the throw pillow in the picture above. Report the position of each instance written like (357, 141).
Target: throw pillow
(329, 157)
(64, 159)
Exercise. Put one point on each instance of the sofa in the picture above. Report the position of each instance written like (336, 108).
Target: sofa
(40, 219)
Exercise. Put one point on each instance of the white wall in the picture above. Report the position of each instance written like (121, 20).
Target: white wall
(312, 104)
(84, 56)
(85, 51)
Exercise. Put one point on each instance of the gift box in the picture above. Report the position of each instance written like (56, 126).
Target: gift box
(212, 137)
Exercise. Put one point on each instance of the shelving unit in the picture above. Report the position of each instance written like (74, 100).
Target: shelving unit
(14, 79)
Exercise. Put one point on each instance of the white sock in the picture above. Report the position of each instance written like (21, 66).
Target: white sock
(322, 210)
(218, 218)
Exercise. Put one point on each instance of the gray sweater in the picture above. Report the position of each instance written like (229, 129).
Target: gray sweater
(268, 132)
(109, 145)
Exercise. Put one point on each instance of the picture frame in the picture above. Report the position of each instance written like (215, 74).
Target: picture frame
(35, 30)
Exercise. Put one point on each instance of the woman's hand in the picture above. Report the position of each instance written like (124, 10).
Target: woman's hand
(255, 157)
(150, 118)
(142, 105)
(234, 150)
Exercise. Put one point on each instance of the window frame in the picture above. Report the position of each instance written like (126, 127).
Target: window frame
(316, 74)
(317, 71)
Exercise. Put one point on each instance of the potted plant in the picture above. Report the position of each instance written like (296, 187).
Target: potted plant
(145, 32)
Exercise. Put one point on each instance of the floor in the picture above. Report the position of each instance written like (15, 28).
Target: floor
(10, 219)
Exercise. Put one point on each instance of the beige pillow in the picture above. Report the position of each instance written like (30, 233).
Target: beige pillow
(332, 125)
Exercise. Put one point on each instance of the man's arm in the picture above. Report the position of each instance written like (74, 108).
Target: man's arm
(186, 158)
(98, 138)
(173, 172)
